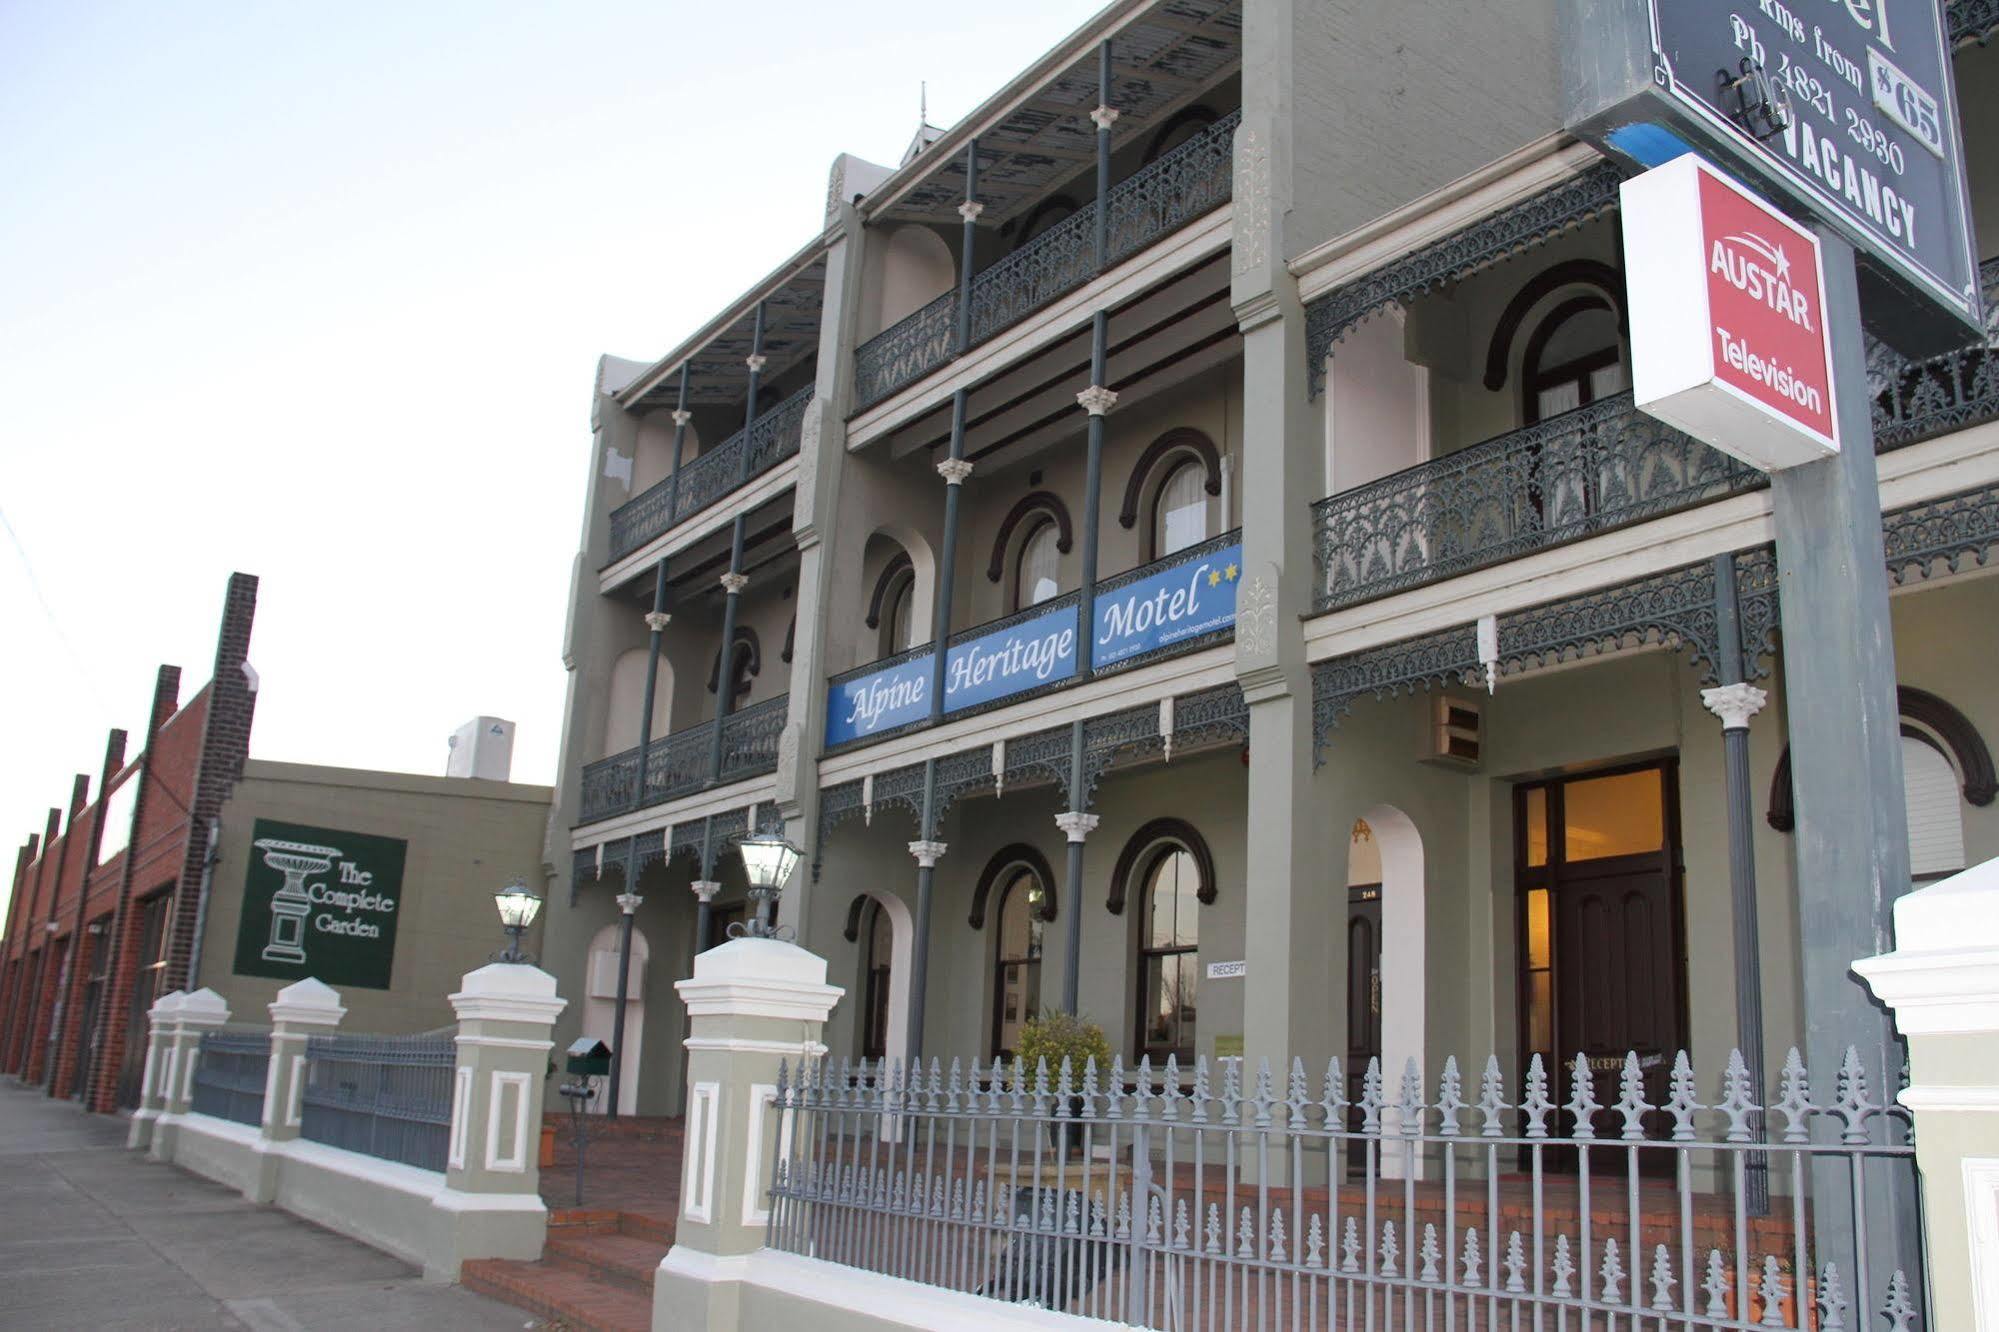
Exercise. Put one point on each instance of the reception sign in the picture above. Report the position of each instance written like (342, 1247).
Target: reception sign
(1184, 600)
(320, 902)
(1728, 332)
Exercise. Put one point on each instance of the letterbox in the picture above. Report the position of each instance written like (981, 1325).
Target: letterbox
(588, 1057)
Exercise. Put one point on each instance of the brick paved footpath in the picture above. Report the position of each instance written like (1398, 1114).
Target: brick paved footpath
(95, 1237)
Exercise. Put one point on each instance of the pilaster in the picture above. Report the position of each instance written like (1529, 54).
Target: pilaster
(302, 1010)
(752, 1005)
(153, 1083)
(194, 1015)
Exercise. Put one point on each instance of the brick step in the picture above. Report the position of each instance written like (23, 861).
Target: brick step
(577, 1299)
(625, 1258)
(656, 1229)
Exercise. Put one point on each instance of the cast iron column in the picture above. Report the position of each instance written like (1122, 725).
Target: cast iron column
(1735, 701)
(927, 851)
(954, 470)
(969, 210)
(1104, 117)
(1097, 400)
(656, 620)
(734, 581)
(1075, 825)
(681, 416)
(1851, 844)
(628, 903)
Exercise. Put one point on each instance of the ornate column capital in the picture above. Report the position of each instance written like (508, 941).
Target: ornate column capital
(970, 210)
(1735, 704)
(658, 620)
(928, 853)
(954, 470)
(756, 363)
(705, 889)
(1105, 117)
(681, 416)
(1076, 824)
(732, 583)
(629, 902)
(1097, 400)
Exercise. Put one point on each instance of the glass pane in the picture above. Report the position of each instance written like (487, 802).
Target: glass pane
(1038, 566)
(1187, 991)
(899, 633)
(1181, 519)
(1540, 1013)
(1558, 399)
(1537, 928)
(1536, 801)
(1607, 380)
(1613, 816)
(881, 941)
(1020, 931)
(1174, 919)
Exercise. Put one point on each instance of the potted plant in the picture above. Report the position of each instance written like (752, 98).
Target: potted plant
(1053, 1037)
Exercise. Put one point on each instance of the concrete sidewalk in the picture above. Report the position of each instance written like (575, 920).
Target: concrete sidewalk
(93, 1236)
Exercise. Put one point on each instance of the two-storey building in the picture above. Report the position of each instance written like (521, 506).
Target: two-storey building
(1180, 546)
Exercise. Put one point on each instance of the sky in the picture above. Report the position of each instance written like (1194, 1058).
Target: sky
(316, 293)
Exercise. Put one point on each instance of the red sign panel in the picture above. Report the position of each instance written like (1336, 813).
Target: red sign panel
(1764, 303)
(1728, 335)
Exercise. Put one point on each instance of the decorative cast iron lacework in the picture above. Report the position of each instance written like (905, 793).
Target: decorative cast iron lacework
(1455, 257)
(385, 1096)
(750, 738)
(1153, 202)
(229, 1074)
(902, 786)
(967, 773)
(1575, 475)
(1125, 1194)
(608, 786)
(1954, 532)
(1675, 608)
(648, 849)
(839, 803)
(678, 764)
(1921, 399)
(1971, 20)
(1040, 757)
(702, 480)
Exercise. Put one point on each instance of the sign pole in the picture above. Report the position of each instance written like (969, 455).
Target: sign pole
(1851, 841)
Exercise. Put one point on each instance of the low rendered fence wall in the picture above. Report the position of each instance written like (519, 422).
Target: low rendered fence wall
(383, 1096)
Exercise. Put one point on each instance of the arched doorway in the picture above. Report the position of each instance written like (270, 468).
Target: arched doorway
(600, 1012)
(879, 924)
(1385, 953)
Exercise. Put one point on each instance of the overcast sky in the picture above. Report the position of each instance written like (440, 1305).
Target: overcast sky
(316, 293)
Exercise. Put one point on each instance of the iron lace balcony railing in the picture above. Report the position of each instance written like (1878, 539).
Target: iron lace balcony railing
(229, 1075)
(1122, 1194)
(1153, 202)
(383, 1096)
(682, 763)
(1587, 471)
(1917, 400)
(701, 481)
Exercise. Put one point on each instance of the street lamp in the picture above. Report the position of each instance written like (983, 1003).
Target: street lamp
(518, 908)
(768, 861)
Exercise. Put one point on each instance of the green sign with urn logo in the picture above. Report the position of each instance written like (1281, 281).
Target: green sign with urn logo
(320, 902)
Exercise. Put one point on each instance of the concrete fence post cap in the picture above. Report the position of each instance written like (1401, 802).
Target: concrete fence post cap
(762, 978)
(310, 1001)
(203, 1008)
(1943, 976)
(167, 1004)
(760, 960)
(508, 992)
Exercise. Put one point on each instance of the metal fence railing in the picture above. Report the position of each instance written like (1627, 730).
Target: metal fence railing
(386, 1096)
(1128, 1196)
(229, 1074)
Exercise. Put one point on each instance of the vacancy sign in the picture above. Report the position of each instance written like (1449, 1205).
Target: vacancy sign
(1728, 334)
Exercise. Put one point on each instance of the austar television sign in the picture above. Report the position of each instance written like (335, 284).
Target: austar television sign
(1728, 335)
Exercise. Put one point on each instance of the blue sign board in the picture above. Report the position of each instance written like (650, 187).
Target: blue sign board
(1191, 598)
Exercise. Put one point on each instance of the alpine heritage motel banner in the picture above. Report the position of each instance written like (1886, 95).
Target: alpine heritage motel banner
(1181, 602)
(320, 902)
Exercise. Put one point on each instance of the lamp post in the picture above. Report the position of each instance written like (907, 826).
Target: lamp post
(518, 908)
(768, 861)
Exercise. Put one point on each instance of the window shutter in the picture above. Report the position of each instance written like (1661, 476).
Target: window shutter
(1936, 823)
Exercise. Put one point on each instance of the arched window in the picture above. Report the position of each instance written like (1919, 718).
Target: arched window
(1044, 217)
(902, 607)
(1036, 575)
(1017, 960)
(1180, 514)
(1183, 125)
(1169, 936)
(876, 971)
(1573, 359)
(745, 663)
(1936, 820)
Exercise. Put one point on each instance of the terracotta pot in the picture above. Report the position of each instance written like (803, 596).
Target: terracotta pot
(547, 1145)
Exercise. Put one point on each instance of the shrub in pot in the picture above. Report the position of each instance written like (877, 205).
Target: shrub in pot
(1054, 1037)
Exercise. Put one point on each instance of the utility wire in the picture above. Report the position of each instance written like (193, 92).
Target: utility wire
(49, 614)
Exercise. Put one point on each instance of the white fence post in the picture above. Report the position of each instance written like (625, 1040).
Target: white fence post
(1942, 984)
(194, 1014)
(751, 1003)
(492, 1173)
(159, 1022)
(302, 1010)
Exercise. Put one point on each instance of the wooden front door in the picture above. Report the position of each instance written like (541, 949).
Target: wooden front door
(1363, 1002)
(1602, 948)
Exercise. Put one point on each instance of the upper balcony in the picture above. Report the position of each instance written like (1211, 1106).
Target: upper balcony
(710, 475)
